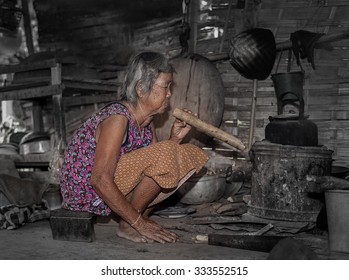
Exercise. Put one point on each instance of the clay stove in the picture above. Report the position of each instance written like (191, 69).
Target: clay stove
(289, 154)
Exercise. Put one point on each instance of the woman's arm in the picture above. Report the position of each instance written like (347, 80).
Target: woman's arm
(110, 135)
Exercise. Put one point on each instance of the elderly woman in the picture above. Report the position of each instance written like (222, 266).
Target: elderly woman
(113, 162)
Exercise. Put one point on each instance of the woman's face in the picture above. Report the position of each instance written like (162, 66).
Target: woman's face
(160, 94)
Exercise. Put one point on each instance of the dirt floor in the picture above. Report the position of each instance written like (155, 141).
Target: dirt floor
(34, 241)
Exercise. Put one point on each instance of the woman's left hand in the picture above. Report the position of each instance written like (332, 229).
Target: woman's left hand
(180, 128)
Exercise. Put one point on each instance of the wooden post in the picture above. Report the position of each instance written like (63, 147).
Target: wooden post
(225, 29)
(56, 74)
(251, 13)
(37, 121)
(194, 7)
(27, 26)
(38, 124)
(289, 60)
(253, 114)
(57, 104)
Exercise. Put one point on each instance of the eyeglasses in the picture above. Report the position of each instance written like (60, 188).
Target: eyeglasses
(168, 87)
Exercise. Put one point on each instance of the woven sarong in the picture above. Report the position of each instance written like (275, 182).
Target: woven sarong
(169, 164)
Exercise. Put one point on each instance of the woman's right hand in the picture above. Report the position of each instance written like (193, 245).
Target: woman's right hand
(154, 231)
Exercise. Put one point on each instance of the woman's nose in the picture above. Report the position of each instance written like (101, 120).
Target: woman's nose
(169, 92)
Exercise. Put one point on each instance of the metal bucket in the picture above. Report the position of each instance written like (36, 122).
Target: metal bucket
(337, 208)
(289, 90)
(279, 180)
(288, 86)
(54, 199)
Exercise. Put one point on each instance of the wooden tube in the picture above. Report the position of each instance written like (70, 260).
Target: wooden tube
(209, 129)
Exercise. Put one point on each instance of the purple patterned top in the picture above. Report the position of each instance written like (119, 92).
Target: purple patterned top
(78, 194)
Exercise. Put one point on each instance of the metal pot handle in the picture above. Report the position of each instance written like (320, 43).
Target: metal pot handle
(300, 107)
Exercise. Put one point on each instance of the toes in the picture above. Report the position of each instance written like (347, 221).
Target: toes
(130, 235)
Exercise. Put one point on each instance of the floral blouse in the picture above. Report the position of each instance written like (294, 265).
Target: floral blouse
(77, 192)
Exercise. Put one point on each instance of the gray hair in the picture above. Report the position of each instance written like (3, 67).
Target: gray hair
(145, 67)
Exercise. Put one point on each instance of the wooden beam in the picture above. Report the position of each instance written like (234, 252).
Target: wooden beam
(30, 93)
(328, 38)
(22, 67)
(83, 100)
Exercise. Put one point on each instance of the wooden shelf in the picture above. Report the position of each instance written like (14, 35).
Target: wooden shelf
(27, 93)
(44, 89)
(30, 160)
(63, 91)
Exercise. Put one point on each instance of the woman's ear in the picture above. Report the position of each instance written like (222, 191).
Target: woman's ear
(139, 88)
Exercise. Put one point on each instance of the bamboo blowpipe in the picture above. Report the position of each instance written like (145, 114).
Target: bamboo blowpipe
(209, 129)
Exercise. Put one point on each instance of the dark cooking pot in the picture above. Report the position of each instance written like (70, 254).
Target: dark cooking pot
(292, 130)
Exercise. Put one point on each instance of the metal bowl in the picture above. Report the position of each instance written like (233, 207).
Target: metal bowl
(35, 143)
(198, 190)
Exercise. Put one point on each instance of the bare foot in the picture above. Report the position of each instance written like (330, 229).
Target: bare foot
(126, 231)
